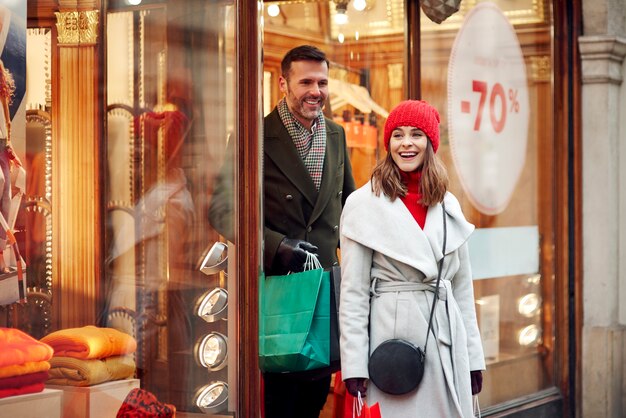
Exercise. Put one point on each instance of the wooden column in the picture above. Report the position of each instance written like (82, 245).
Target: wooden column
(76, 220)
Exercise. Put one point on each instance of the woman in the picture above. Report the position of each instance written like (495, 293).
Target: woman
(7, 87)
(392, 232)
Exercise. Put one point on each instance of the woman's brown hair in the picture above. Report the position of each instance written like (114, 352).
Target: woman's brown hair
(433, 184)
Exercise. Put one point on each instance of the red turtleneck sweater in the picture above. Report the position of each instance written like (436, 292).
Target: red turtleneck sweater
(412, 181)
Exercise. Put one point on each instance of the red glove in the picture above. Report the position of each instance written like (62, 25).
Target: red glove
(356, 384)
(477, 381)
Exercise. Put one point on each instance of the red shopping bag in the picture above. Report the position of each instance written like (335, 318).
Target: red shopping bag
(360, 409)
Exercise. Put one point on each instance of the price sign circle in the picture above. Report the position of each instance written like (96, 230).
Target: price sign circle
(488, 108)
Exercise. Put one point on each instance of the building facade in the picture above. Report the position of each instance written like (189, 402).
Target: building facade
(132, 110)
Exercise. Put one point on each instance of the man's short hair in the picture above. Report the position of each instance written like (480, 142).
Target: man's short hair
(302, 53)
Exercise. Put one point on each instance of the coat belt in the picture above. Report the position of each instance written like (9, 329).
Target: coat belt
(379, 286)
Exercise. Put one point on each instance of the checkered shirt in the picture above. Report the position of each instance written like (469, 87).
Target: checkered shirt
(311, 145)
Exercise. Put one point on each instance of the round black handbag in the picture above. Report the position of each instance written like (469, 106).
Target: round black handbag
(396, 367)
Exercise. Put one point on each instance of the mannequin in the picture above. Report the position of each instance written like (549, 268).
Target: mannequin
(7, 155)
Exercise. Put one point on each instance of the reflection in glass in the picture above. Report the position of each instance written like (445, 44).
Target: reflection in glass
(170, 109)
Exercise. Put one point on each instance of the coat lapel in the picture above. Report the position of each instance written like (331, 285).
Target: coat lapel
(280, 148)
(389, 228)
(458, 228)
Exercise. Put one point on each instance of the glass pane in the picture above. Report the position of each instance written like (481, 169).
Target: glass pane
(491, 84)
(170, 118)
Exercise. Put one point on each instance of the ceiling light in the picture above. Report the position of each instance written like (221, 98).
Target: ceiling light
(212, 398)
(341, 38)
(359, 5)
(341, 18)
(133, 2)
(212, 306)
(273, 10)
(216, 259)
(212, 351)
(341, 7)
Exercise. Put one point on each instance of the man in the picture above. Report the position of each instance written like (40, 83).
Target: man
(307, 178)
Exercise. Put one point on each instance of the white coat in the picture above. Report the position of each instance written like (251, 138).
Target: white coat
(381, 239)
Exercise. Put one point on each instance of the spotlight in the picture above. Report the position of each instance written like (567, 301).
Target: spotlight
(528, 305)
(215, 260)
(528, 336)
(212, 306)
(340, 37)
(212, 398)
(273, 10)
(212, 351)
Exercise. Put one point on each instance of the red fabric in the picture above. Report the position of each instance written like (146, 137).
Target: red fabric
(14, 382)
(140, 403)
(417, 114)
(34, 388)
(413, 196)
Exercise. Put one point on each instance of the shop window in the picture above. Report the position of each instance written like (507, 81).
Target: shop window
(170, 120)
(495, 100)
(507, 194)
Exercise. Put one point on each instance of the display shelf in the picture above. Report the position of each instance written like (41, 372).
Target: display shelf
(97, 401)
(33, 405)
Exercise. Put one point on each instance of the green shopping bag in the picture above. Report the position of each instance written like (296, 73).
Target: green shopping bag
(294, 321)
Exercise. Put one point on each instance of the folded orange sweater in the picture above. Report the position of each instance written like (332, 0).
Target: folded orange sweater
(17, 347)
(26, 368)
(90, 342)
(77, 372)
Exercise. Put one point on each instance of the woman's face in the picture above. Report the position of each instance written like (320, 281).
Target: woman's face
(407, 146)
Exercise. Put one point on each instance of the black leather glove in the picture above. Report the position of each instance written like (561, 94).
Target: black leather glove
(292, 253)
(477, 381)
(356, 384)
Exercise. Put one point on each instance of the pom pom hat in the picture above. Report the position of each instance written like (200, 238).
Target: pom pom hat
(418, 114)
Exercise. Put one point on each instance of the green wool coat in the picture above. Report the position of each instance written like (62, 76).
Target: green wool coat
(293, 208)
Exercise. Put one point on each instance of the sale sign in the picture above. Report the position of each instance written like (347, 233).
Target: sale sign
(488, 108)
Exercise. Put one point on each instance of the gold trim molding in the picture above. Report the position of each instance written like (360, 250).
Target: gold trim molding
(80, 27)
(395, 75)
(540, 69)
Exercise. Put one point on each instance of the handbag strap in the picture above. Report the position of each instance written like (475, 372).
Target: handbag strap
(436, 297)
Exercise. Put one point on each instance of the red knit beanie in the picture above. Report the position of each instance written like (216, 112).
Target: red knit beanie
(418, 114)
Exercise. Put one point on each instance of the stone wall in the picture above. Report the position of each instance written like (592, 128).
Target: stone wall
(602, 50)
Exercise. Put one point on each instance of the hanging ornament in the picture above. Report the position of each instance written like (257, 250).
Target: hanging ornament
(440, 10)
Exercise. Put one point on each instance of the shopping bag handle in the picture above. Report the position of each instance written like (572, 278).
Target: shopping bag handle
(312, 262)
(357, 406)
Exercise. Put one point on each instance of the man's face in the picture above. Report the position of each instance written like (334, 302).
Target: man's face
(306, 90)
